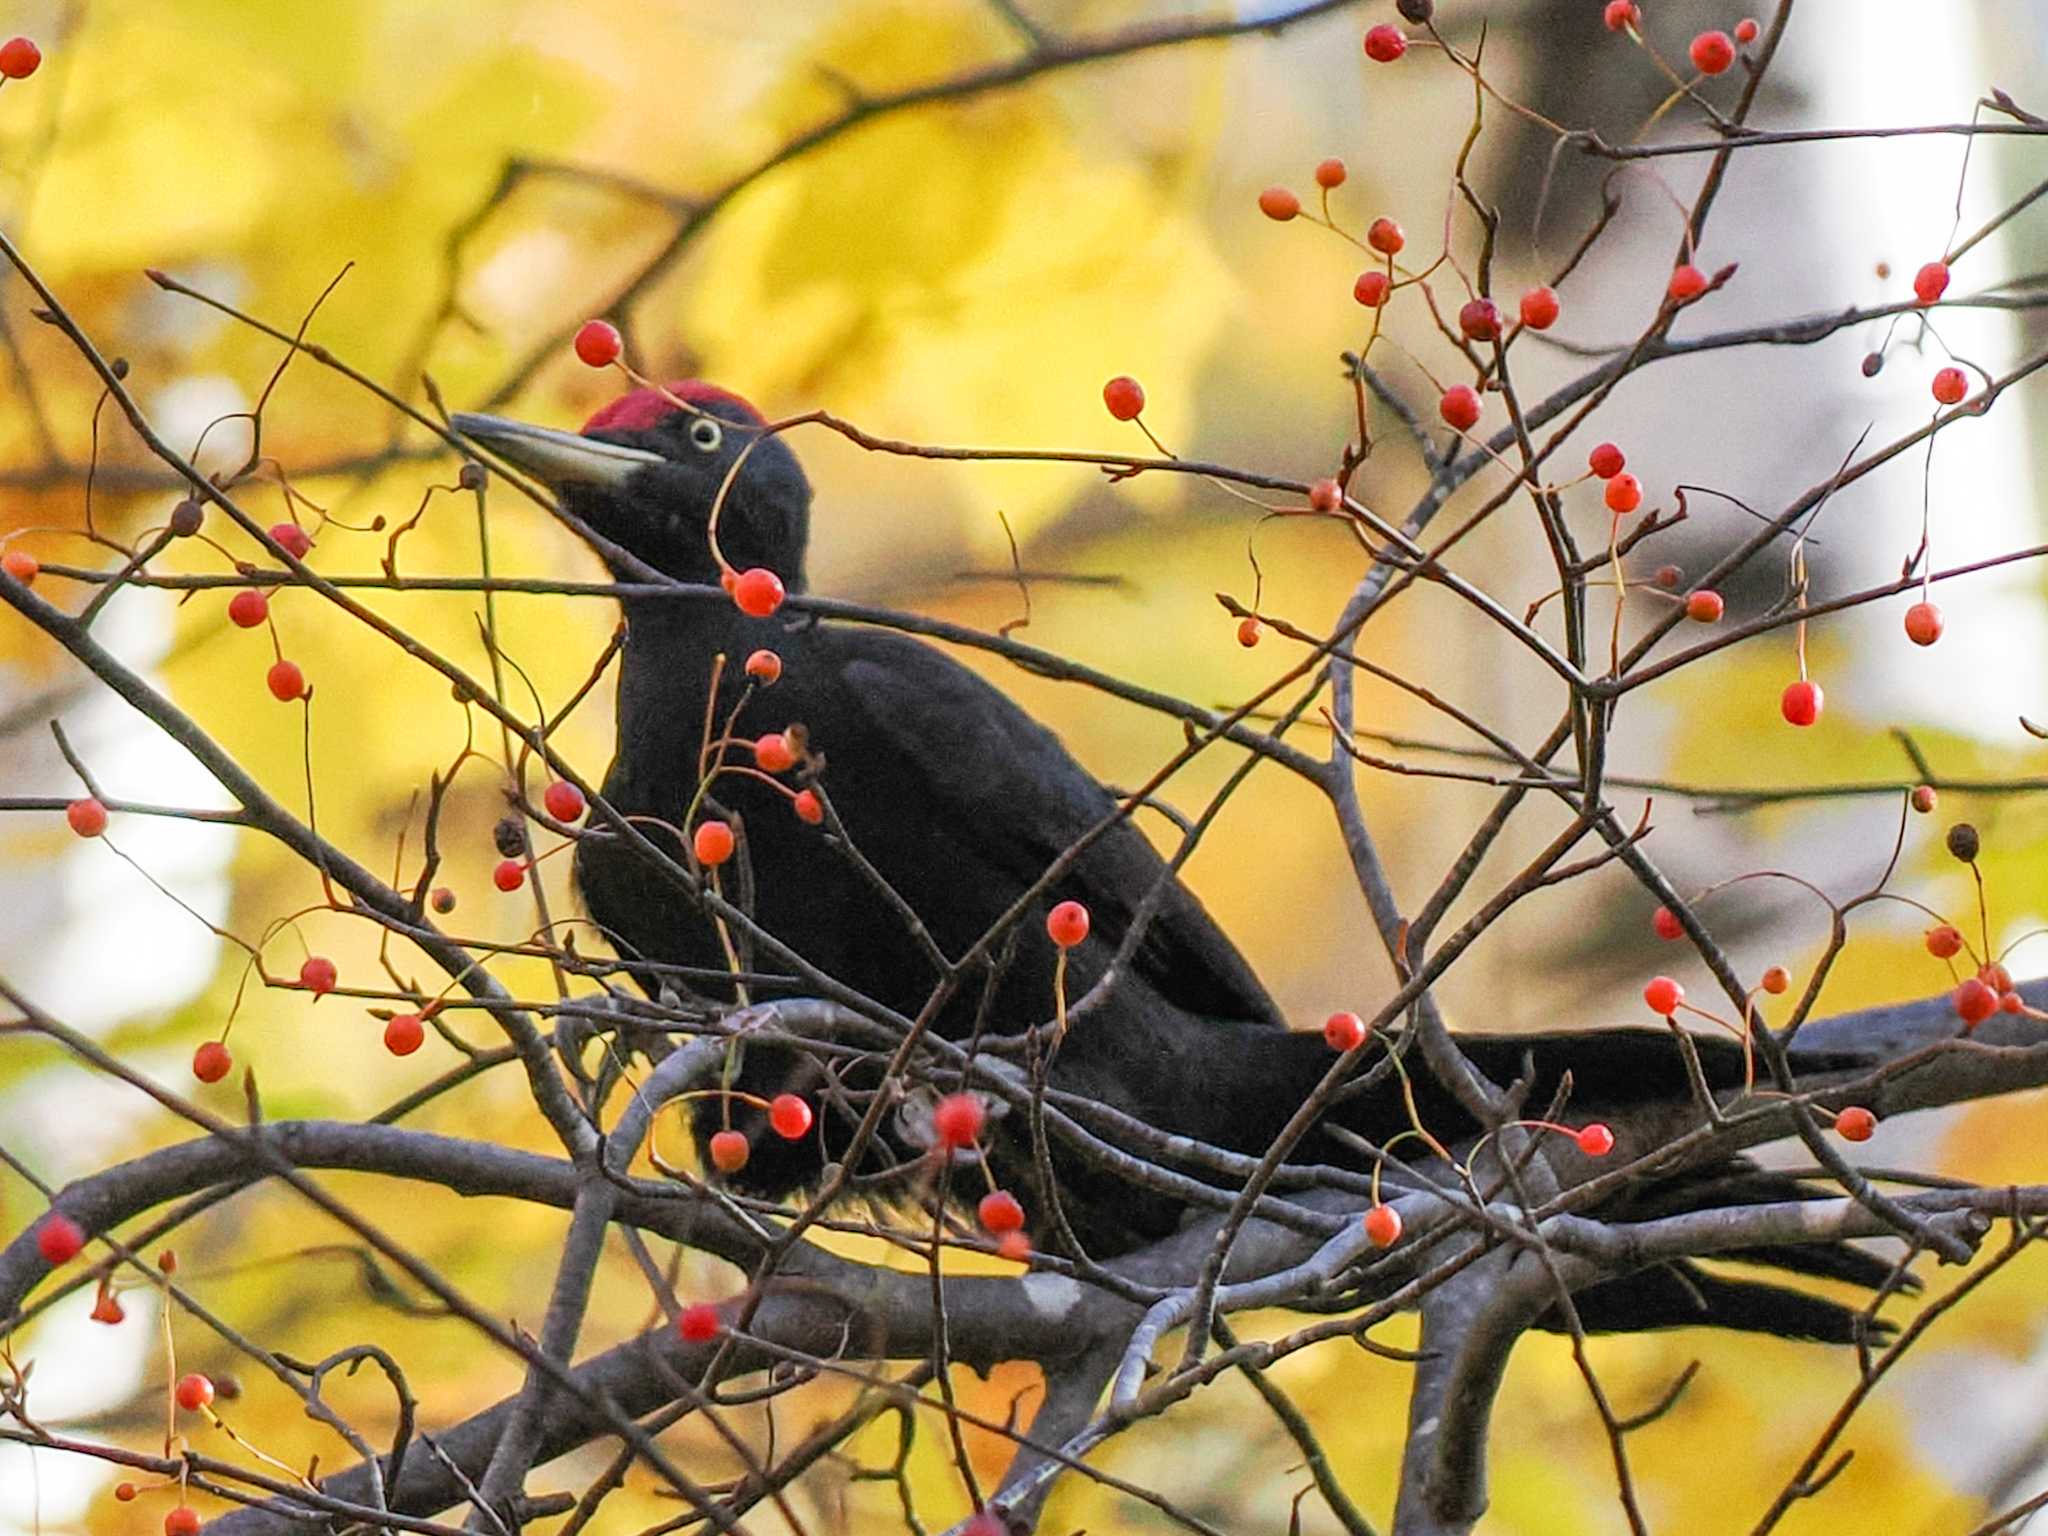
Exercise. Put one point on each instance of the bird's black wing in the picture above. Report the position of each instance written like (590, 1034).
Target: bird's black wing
(1008, 784)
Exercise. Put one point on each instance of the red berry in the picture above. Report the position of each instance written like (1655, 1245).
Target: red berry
(1325, 496)
(1247, 633)
(764, 667)
(1668, 577)
(1067, 923)
(757, 593)
(1000, 1212)
(1621, 14)
(1923, 623)
(1950, 386)
(1666, 922)
(808, 806)
(1595, 1140)
(212, 1062)
(404, 1034)
(285, 681)
(1385, 236)
(1705, 606)
(107, 1308)
(59, 1239)
(318, 974)
(1124, 396)
(1385, 43)
(1330, 174)
(2011, 1002)
(1279, 204)
(1712, 52)
(508, 875)
(1924, 798)
(729, 580)
(1479, 319)
(1995, 976)
(729, 1151)
(698, 1323)
(1372, 289)
(22, 566)
(1606, 461)
(1663, 995)
(1855, 1123)
(1383, 1226)
(1539, 309)
(1974, 1002)
(248, 608)
(194, 1392)
(773, 753)
(956, 1120)
(1777, 980)
(1016, 1247)
(1801, 702)
(1624, 493)
(1746, 30)
(1688, 282)
(19, 58)
(292, 539)
(182, 1521)
(442, 900)
(1460, 407)
(713, 842)
(88, 818)
(1930, 282)
(563, 801)
(598, 343)
(1344, 1031)
(789, 1116)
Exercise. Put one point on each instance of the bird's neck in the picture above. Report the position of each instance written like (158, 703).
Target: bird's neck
(665, 680)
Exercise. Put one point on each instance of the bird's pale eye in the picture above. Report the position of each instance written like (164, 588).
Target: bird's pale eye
(706, 434)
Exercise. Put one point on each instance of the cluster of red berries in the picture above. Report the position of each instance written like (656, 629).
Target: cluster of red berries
(1711, 52)
(789, 1116)
(1623, 492)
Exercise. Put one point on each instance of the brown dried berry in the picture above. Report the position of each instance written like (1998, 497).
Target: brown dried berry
(509, 837)
(186, 517)
(1417, 11)
(472, 476)
(1963, 842)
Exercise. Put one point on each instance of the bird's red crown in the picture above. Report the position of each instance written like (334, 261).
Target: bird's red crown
(642, 408)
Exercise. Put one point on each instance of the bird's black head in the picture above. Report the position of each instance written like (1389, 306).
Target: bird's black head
(645, 473)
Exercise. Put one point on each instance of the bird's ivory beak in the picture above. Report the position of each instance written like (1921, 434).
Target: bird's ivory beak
(557, 458)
